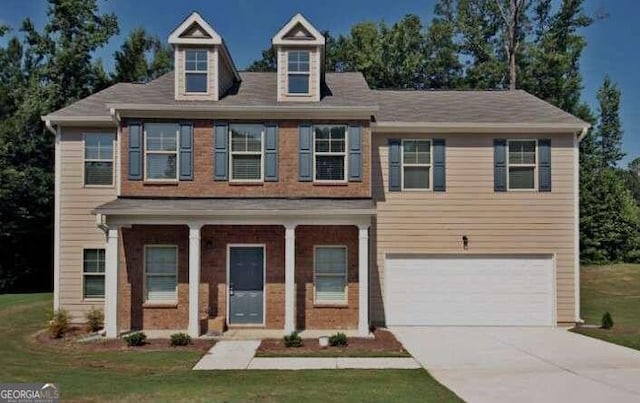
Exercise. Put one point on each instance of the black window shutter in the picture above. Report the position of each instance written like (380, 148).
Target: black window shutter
(394, 165)
(500, 165)
(439, 174)
(136, 146)
(544, 165)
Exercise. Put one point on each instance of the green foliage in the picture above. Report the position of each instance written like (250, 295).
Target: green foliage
(59, 323)
(609, 126)
(609, 218)
(135, 339)
(95, 319)
(607, 321)
(292, 340)
(338, 340)
(180, 339)
(142, 58)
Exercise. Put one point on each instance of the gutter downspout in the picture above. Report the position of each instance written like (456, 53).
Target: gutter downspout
(56, 211)
(100, 223)
(576, 202)
(583, 133)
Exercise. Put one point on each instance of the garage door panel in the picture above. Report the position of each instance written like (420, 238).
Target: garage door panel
(470, 291)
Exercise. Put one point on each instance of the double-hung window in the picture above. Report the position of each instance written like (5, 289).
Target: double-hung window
(330, 270)
(298, 72)
(161, 273)
(93, 274)
(196, 71)
(416, 164)
(521, 165)
(330, 145)
(246, 152)
(161, 151)
(98, 159)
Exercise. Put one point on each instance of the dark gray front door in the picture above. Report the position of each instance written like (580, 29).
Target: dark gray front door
(246, 285)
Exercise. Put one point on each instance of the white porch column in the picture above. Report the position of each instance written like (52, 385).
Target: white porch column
(194, 280)
(289, 278)
(363, 280)
(111, 284)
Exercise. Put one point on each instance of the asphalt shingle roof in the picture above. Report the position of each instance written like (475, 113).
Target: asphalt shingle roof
(222, 206)
(348, 90)
(468, 107)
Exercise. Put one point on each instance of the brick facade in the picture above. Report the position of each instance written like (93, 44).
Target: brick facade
(133, 314)
(287, 185)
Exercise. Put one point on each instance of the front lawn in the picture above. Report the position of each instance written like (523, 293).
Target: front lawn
(613, 288)
(166, 375)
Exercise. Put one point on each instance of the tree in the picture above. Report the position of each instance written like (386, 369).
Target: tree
(634, 166)
(266, 63)
(513, 34)
(443, 69)
(45, 71)
(141, 58)
(609, 127)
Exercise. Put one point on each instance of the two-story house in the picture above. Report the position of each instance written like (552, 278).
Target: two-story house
(302, 199)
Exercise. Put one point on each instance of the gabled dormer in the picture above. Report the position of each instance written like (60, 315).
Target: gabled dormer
(299, 48)
(204, 70)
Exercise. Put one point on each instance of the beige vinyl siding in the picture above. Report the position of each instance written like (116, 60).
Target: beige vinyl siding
(77, 224)
(314, 75)
(504, 222)
(212, 80)
(226, 78)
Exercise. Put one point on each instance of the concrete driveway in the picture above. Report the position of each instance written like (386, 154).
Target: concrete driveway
(525, 364)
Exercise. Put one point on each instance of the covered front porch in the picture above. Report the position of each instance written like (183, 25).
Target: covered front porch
(272, 264)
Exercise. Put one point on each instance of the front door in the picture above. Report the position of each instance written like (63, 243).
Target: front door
(246, 285)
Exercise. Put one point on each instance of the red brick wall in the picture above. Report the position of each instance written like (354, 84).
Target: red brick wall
(215, 239)
(213, 288)
(288, 185)
(309, 315)
(133, 315)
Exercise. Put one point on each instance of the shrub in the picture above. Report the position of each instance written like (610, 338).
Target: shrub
(180, 339)
(95, 319)
(338, 340)
(135, 339)
(59, 324)
(607, 321)
(293, 340)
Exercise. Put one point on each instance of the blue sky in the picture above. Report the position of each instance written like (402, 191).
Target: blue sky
(248, 25)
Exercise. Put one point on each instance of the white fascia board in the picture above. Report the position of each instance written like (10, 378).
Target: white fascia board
(195, 18)
(278, 39)
(107, 121)
(471, 127)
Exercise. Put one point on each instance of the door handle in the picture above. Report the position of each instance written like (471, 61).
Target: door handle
(231, 289)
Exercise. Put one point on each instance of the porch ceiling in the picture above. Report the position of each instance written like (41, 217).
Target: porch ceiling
(218, 207)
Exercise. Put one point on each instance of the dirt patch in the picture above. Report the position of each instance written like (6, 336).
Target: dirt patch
(383, 344)
(72, 337)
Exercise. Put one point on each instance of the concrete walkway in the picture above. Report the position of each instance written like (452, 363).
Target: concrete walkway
(525, 364)
(228, 355)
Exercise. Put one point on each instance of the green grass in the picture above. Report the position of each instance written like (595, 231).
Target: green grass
(167, 376)
(613, 288)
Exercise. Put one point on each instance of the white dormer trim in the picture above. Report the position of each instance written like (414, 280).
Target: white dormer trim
(211, 38)
(281, 37)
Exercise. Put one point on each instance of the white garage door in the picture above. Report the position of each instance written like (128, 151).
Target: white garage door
(469, 290)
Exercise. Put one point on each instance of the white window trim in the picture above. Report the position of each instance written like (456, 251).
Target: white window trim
(85, 160)
(332, 153)
(264, 282)
(232, 153)
(534, 165)
(429, 165)
(344, 301)
(299, 73)
(205, 72)
(145, 275)
(103, 274)
(176, 152)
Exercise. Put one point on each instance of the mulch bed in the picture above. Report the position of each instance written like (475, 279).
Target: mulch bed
(72, 337)
(384, 344)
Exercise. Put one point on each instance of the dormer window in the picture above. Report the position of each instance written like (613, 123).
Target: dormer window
(196, 70)
(298, 72)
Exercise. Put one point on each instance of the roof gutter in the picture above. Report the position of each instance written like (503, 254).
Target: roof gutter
(474, 127)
